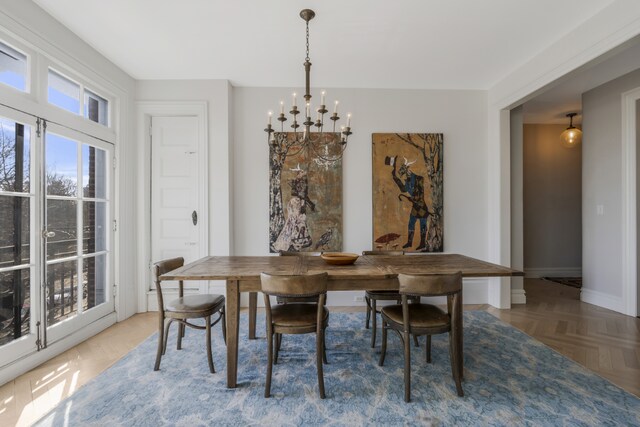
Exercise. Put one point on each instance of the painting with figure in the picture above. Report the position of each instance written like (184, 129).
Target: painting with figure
(407, 192)
(305, 196)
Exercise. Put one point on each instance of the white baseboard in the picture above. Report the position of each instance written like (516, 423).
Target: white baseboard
(553, 272)
(602, 300)
(25, 364)
(518, 296)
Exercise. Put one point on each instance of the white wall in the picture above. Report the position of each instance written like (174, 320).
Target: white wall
(552, 203)
(460, 115)
(601, 185)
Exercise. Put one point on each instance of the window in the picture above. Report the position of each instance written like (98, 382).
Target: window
(15, 214)
(95, 108)
(13, 68)
(64, 93)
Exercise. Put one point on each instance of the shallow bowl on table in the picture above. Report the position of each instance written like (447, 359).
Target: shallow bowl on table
(339, 258)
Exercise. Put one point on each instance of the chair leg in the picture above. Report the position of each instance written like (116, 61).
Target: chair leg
(374, 315)
(209, 355)
(267, 384)
(428, 349)
(278, 339)
(166, 336)
(324, 346)
(160, 342)
(454, 355)
(415, 340)
(223, 321)
(407, 367)
(319, 352)
(180, 335)
(368, 302)
(384, 343)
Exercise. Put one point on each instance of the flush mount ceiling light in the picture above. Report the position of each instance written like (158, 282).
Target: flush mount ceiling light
(571, 136)
(317, 140)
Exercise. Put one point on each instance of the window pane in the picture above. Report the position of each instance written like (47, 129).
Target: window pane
(15, 304)
(62, 166)
(14, 156)
(96, 108)
(14, 231)
(94, 179)
(61, 220)
(94, 283)
(64, 93)
(62, 291)
(13, 68)
(95, 227)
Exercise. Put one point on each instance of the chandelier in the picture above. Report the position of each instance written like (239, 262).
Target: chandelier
(322, 143)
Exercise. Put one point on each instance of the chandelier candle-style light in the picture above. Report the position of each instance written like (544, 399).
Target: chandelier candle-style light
(316, 141)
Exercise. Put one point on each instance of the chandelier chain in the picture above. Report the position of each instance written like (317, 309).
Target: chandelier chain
(307, 58)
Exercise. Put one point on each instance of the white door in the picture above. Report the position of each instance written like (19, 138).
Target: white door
(78, 231)
(19, 236)
(177, 211)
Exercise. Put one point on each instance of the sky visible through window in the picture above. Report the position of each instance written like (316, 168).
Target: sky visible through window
(13, 68)
(62, 160)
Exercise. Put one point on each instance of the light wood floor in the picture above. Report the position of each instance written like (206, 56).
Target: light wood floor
(605, 342)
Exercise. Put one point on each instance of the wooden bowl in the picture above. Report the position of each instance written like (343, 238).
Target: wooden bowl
(339, 258)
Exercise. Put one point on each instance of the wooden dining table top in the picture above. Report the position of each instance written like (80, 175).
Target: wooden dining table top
(365, 267)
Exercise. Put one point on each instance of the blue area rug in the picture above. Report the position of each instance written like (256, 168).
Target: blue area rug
(510, 379)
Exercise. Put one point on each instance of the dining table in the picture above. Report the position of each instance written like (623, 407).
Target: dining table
(379, 272)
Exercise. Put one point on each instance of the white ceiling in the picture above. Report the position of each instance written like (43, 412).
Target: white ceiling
(413, 44)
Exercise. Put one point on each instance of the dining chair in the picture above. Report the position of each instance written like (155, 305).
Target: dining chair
(283, 300)
(426, 319)
(371, 297)
(184, 308)
(295, 318)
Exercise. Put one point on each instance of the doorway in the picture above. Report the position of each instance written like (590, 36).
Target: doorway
(174, 216)
(56, 239)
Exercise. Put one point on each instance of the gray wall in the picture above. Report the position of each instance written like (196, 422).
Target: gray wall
(552, 203)
(601, 185)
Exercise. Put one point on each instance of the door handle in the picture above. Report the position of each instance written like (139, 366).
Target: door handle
(48, 234)
(194, 217)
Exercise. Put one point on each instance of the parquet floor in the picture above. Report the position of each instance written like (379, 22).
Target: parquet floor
(605, 342)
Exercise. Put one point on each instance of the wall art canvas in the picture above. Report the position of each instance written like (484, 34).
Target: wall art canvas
(407, 192)
(305, 195)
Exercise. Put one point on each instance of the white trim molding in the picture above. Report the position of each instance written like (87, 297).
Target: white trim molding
(145, 110)
(629, 200)
(602, 300)
(518, 296)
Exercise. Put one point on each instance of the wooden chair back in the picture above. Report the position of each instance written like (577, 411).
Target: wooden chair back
(389, 253)
(163, 267)
(294, 285)
(430, 284)
(289, 253)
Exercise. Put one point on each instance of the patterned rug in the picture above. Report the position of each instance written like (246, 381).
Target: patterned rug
(574, 282)
(510, 379)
